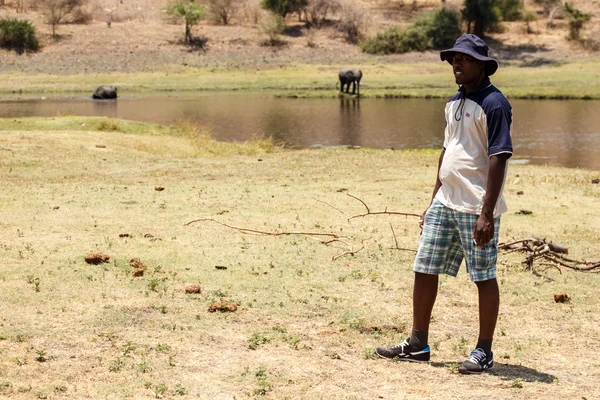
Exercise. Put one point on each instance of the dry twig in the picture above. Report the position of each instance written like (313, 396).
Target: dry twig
(257, 232)
(352, 253)
(396, 240)
(369, 212)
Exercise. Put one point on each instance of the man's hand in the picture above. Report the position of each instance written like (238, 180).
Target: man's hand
(422, 219)
(484, 230)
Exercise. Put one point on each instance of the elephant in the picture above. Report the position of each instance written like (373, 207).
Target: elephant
(105, 93)
(348, 76)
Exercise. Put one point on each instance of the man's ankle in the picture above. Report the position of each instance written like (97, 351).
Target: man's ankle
(419, 339)
(485, 345)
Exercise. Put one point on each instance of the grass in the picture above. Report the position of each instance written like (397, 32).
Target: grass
(306, 324)
(577, 79)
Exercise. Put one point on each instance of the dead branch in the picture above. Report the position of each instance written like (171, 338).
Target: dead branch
(590, 267)
(352, 253)
(257, 232)
(369, 212)
(541, 249)
(335, 208)
(396, 240)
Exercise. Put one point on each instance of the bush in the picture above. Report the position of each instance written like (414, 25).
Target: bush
(283, 7)
(511, 10)
(318, 10)
(18, 35)
(352, 22)
(431, 31)
(272, 26)
(576, 20)
(223, 10)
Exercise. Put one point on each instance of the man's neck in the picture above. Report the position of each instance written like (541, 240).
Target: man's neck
(470, 88)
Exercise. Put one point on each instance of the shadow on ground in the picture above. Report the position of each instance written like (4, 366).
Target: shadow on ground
(524, 55)
(510, 372)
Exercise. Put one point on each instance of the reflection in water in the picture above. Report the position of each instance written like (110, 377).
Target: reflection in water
(350, 121)
(108, 108)
(557, 132)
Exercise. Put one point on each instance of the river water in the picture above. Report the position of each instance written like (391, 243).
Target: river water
(553, 132)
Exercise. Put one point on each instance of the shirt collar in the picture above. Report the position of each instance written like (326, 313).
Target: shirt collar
(486, 83)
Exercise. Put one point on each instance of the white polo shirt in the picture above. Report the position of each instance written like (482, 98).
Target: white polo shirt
(478, 126)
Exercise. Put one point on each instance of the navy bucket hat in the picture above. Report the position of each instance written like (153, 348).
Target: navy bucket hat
(475, 47)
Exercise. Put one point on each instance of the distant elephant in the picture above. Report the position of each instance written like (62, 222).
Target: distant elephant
(105, 93)
(350, 76)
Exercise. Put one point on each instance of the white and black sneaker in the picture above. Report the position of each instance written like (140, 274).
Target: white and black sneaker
(404, 352)
(477, 362)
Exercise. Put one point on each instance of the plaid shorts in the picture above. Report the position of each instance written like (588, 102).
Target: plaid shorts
(447, 238)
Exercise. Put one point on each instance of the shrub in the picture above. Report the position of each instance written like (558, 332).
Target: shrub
(436, 30)
(191, 12)
(223, 10)
(352, 22)
(318, 10)
(283, 7)
(272, 26)
(576, 20)
(444, 28)
(528, 17)
(511, 10)
(18, 35)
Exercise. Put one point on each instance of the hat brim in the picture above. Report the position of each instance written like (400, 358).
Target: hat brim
(491, 65)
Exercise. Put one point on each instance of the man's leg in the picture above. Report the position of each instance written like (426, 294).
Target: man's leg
(489, 303)
(482, 358)
(424, 294)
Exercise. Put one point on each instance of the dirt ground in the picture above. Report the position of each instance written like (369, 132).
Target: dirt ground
(142, 38)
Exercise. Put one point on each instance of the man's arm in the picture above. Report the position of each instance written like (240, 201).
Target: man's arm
(484, 229)
(438, 185)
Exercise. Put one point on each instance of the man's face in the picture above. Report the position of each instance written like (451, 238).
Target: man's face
(466, 69)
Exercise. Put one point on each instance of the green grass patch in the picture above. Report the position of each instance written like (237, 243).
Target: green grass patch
(416, 79)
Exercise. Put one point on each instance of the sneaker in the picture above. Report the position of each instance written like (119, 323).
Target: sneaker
(404, 352)
(477, 362)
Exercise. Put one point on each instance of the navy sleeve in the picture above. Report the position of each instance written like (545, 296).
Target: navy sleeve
(499, 122)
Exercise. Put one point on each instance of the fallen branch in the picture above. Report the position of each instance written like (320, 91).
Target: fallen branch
(369, 212)
(540, 249)
(352, 253)
(335, 208)
(396, 240)
(257, 232)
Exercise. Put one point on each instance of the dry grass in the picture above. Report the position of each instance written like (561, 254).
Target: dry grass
(306, 326)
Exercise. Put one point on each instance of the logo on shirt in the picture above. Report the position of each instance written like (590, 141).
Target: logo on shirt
(468, 115)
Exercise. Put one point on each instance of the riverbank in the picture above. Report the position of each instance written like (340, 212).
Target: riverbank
(568, 80)
(309, 307)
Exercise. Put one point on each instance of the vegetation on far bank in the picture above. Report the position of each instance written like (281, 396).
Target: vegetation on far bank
(571, 79)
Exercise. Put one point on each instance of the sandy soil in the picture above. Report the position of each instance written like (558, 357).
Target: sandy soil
(141, 38)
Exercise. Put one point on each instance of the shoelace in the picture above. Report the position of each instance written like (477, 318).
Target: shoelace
(477, 356)
(402, 345)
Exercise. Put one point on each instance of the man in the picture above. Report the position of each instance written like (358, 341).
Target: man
(463, 219)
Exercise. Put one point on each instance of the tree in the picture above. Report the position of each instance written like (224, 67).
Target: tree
(284, 7)
(57, 10)
(482, 13)
(576, 20)
(191, 12)
(550, 8)
(223, 10)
